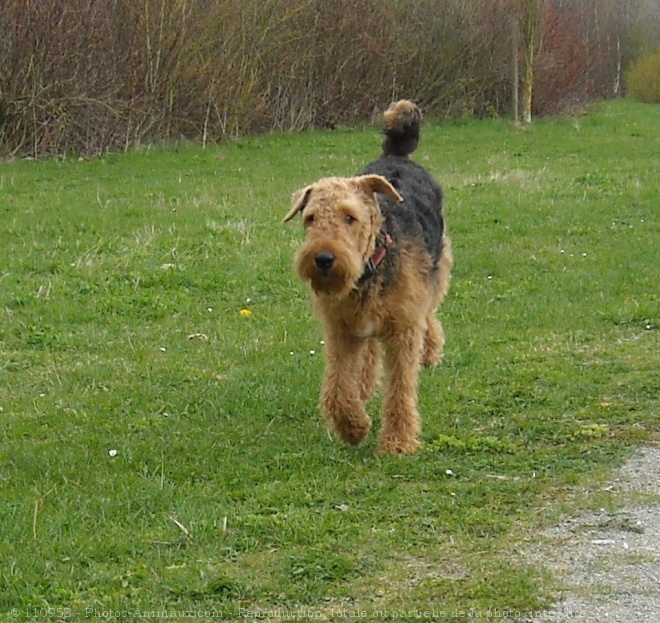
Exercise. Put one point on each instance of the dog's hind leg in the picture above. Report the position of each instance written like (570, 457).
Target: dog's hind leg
(371, 369)
(434, 341)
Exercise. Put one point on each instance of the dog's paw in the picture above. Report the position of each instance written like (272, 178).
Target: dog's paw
(431, 358)
(398, 446)
(353, 433)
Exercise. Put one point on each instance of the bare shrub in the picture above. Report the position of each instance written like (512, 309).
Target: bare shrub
(89, 76)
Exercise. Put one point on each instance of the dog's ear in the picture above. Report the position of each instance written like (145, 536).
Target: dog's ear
(298, 203)
(378, 184)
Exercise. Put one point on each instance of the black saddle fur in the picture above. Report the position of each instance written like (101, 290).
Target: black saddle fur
(418, 219)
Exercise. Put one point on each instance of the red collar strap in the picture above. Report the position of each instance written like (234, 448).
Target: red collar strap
(375, 260)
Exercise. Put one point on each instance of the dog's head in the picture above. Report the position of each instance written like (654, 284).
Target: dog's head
(341, 219)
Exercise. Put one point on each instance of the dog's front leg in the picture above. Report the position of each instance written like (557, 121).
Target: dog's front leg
(341, 402)
(401, 424)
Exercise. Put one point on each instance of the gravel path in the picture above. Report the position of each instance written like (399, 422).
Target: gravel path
(610, 562)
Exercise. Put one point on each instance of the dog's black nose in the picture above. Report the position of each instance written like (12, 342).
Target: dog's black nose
(324, 260)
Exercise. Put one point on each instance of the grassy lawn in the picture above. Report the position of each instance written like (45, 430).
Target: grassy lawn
(160, 450)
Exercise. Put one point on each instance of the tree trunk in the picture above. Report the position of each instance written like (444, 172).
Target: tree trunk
(527, 88)
(532, 16)
(515, 78)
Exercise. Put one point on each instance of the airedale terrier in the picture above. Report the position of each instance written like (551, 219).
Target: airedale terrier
(378, 261)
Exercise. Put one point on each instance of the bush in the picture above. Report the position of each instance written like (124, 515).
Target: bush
(643, 78)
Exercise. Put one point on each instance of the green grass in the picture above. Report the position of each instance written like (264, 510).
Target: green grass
(122, 280)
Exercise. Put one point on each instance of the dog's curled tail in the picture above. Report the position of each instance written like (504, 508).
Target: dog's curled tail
(403, 120)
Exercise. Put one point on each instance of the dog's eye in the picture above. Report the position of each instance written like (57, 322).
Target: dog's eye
(349, 219)
(308, 220)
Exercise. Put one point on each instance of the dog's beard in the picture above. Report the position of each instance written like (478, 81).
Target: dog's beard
(338, 280)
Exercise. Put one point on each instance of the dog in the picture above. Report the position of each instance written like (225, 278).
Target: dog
(378, 259)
